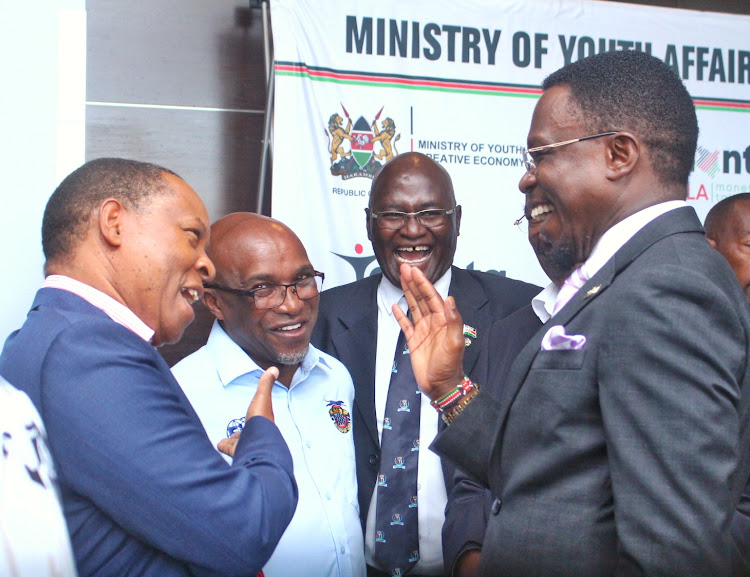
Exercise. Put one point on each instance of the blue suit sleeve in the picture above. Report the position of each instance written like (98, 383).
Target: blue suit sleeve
(134, 447)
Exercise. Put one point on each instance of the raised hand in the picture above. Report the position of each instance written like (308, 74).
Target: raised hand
(434, 333)
(260, 406)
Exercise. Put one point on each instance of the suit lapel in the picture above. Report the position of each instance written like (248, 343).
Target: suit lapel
(673, 222)
(356, 347)
(470, 300)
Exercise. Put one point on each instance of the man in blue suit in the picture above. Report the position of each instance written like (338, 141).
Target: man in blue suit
(144, 492)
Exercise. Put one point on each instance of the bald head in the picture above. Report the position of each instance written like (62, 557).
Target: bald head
(242, 235)
(412, 163)
(728, 231)
(265, 294)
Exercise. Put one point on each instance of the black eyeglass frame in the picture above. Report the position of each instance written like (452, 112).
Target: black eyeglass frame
(444, 214)
(251, 293)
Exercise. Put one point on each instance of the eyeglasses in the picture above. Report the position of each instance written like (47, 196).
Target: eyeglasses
(394, 220)
(528, 160)
(271, 296)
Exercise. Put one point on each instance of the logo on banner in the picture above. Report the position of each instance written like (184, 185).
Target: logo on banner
(723, 168)
(361, 148)
(358, 263)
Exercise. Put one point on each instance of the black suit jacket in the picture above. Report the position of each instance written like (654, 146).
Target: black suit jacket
(627, 456)
(347, 328)
(469, 503)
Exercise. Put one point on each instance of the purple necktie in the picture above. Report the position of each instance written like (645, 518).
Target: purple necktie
(569, 288)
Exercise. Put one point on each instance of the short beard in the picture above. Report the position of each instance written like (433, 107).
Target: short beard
(292, 358)
(559, 261)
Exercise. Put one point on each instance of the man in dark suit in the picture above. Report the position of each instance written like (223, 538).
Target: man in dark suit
(469, 503)
(619, 445)
(144, 492)
(412, 218)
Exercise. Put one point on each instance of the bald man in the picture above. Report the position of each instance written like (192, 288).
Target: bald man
(728, 231)
(265, 299)
(412, 218)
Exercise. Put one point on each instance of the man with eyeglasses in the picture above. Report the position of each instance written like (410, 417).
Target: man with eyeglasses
(412, 219)
(265, 300)
(620, 445)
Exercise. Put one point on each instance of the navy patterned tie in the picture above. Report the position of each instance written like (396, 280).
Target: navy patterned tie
(396, 522)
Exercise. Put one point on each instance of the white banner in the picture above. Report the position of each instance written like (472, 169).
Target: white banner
(458, 80)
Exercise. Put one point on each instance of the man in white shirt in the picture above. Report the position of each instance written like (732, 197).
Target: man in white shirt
(413, 218)
(265, 300)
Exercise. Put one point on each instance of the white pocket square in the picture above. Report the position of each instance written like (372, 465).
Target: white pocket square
(557, 340)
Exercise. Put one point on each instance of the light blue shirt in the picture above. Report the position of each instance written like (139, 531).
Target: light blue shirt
(324, 537)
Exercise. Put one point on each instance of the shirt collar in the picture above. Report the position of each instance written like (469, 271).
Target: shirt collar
(389, 294)
(117, 311)
(232, 362)
(544, 302)
(613, 239)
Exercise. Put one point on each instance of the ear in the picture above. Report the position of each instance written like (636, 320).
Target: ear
(458, 220)
(368, 224)
(623, 153)
(712, 242)
(212, 303)
(111, 214)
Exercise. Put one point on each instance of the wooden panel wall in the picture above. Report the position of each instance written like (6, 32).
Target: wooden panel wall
(181, 83)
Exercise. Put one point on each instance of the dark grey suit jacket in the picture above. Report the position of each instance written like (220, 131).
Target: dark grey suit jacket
(347, 328)
(626, 457)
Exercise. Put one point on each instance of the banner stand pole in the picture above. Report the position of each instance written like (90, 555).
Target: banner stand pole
(267, 144)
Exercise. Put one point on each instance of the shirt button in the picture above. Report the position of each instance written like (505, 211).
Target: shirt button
(343, 549)
(373, 459)
(308, 444)
(497, 504)
(328, 496)
(419, 486)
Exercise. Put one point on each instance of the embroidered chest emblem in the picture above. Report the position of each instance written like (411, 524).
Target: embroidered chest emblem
(340, 416)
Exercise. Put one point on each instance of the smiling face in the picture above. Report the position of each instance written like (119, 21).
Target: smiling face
(732, 240)
(162, 262)
(410, 183)
(252, 251)
(569, 201)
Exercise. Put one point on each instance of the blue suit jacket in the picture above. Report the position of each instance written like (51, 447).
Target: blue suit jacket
(347, 328)
(144, 492)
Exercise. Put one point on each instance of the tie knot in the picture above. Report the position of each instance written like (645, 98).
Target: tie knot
(569, 288)
(577, 278)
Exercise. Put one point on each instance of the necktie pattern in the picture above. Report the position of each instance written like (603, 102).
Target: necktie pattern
(569, 288)
(396, 519)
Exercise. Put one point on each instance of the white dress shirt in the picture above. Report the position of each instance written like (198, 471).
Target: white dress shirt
(430, 483)
(610, 242)
(117, 311)
(324, 537)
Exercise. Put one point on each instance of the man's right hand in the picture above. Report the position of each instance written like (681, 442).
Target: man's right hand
(260, 406)
(435, 334)
(468, 563)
